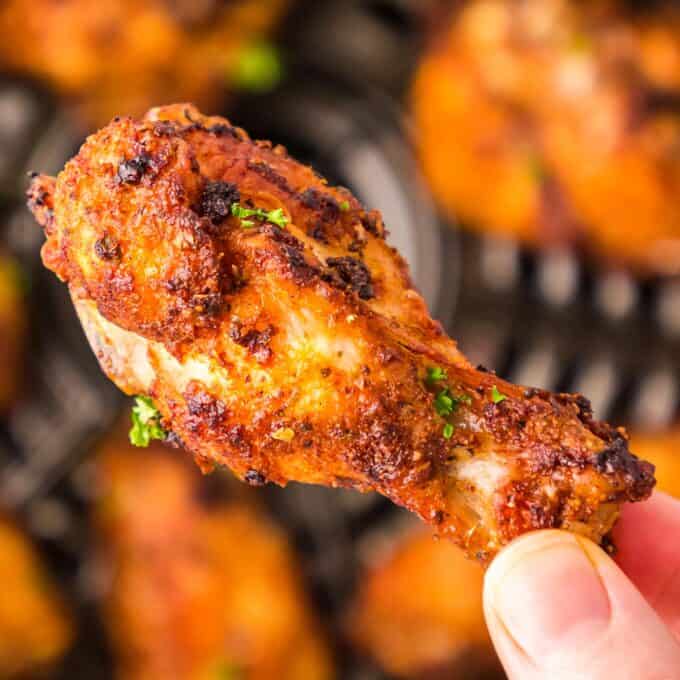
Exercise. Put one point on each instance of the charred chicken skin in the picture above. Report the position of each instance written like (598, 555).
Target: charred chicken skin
(279, 334)
(201, 586)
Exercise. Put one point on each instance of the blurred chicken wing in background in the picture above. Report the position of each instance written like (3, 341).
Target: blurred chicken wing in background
(120, 57)
(35, 629)
(558, 122)
(418, 613)
(201, 587)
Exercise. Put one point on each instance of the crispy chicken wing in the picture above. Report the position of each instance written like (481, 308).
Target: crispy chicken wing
(418, 613)
(120, 56)
(201, 587)
(280, 335)
(35, 629)
(557, 122)
(12, 323)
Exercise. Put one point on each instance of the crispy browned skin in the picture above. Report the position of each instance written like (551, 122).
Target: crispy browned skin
(302, 353)
(34, 628)
(12, 322)
(201, 588)
(557, 122)
(121, 56)
(418, 612)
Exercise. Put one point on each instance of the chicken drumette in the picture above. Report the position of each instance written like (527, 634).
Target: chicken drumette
(202, 586)
(119, 56)
(280, 335)
(557, 122)
(418, 613)
(35, 629)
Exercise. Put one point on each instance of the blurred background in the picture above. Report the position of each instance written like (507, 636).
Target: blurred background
(526, 157)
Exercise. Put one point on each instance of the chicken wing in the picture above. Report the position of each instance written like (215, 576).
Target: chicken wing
(202, 587)
(418, 613)
(120, 56)
(35, 629)
(556, 122)
(279, 334)
(12, 322)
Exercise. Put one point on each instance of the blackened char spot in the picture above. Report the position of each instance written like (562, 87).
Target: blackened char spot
(302, 271)
(221, 130)
(255, 478)
(317, 232)
(132, 170)
(355, 274)
(164, 128)
(326, 206)
(107, 248)
(204, 410)
(209, 304)
(281, 235)
(372, 222)
(616, 460)
(217, 199)
(267, 172)
(174, 440)
(256, 342)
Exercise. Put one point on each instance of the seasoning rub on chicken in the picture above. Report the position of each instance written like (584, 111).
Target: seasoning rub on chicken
(276, 332)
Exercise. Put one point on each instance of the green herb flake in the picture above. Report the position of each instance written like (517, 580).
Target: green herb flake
(496, 396)
(258, 68)
(146, 422)
(277, 216)
(444, 403)
(435, 374)
(447, 432)
(344, 206)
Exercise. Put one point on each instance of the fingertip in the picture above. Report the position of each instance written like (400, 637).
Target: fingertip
(558, 606)
(544, 591)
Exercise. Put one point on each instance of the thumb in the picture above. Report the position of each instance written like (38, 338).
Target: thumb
(558, 607)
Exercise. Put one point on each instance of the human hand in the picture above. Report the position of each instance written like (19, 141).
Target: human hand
(559, 608)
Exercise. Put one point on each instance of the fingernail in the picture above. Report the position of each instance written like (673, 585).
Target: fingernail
(548, 595)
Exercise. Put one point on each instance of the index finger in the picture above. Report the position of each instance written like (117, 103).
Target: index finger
(648, 541)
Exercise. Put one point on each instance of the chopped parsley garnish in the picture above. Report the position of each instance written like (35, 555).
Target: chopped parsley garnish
(344, 206)
(258, 68)
(444, 403)
(146, 422)
(435, 374)
(496, 396)
(277, 216)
